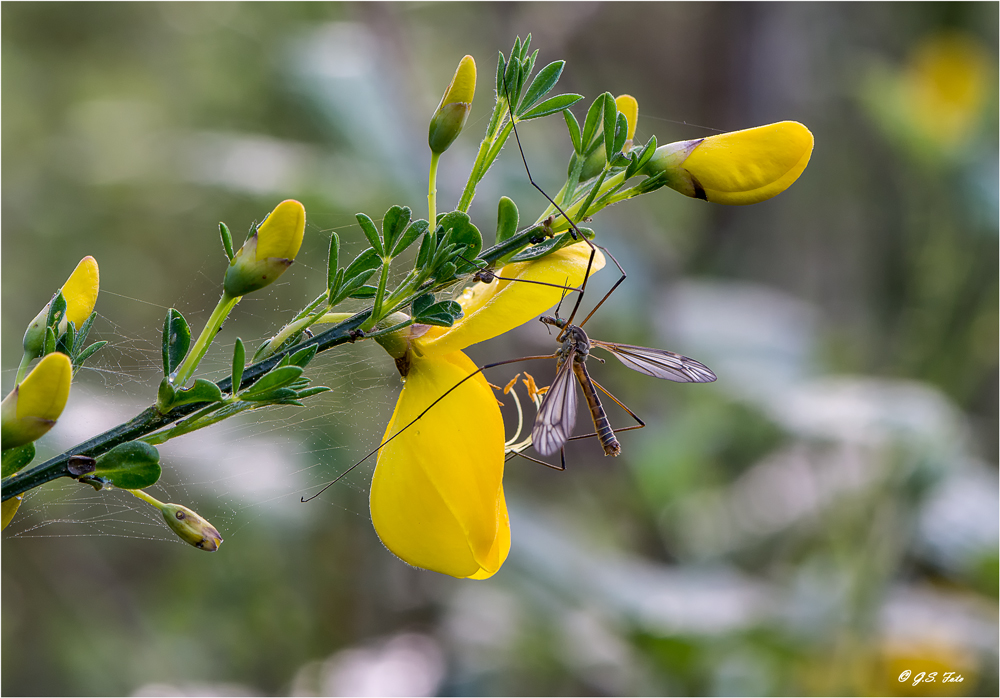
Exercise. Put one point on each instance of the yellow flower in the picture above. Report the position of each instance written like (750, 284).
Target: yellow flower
(80, 293)
(437, 498)
(453, 110)
(33, 407)
(742, 167)
(269, 251)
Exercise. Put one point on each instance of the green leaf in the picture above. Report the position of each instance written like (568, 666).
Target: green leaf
(333, 264)
(364, 264)
(87, 353)
(16, 458)
(65, 343)
(131, 466)
(202, 391)
(57, 311)
(50, 341)
(507, 218)
(463, 232)
(393, 224)
(303, 356)
(371, 232)
(412, 232)
(227, 240)
(315, 390)
(165, 396)
(81, 336)
(271, 395)
(621, 133)
(501, 69)
(422, 303)
(550, 245)
(239, 362)
(545, 80)
(574, 131)
(176, 340)
(275, 378)
(642, 158)
(610, 118)
(552, 105)
(428, 246)
(364, 292)
(592, 122)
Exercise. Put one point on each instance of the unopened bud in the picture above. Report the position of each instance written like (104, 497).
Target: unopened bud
(453, 111)
(80, 293)
(191, 527)
(269, 251)
(742, 167)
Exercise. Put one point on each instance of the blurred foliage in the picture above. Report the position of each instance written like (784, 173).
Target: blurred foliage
(821, 519)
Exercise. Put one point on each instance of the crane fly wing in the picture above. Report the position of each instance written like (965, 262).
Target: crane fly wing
(659, 363)
(557, 413)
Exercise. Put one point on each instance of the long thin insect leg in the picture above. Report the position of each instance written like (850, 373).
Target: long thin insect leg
(618, 402)
(536, 460)
(577, 235)
(414, 421)
(608, 294)
(491, 275)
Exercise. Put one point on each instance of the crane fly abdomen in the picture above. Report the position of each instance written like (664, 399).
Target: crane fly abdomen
(602, 426)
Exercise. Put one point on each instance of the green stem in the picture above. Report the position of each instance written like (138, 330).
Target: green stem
(197, 353)
(432, 191)
(150, 420)
(152, 501)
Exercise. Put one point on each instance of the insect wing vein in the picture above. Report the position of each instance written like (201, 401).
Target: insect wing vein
(659, 363)
(557, 413)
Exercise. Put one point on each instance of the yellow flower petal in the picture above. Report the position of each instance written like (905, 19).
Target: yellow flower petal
(33, 407)
(436, 495)
(745, 167)
(8, 510)
(628, 106)
(44, 392)
(80, 291)
(492, 309)
(280, 236)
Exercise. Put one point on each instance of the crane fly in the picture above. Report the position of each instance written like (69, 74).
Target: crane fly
(557, 413)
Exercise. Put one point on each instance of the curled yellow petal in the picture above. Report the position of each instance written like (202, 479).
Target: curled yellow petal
(280, 236)
(437, 495)
(742, 167)
(33, 407)
(80, 291)
(492, 309)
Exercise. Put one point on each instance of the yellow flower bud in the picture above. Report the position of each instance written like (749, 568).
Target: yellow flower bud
(628, 106)
(191, 527)
(80, 293)
(742, 167)
(269, 251)
(33, 407)
(453, 111)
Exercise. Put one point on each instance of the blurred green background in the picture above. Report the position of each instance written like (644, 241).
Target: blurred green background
(821, 519)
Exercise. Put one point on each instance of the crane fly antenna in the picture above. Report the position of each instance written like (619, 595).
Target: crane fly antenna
(575, 232)
(415, 419)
